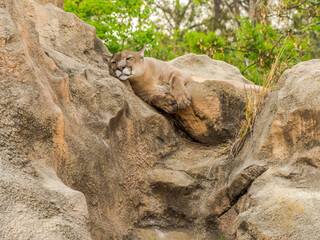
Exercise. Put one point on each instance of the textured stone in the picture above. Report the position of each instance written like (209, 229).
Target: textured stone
(282, 202)
(175, 179)
(283, 205)
(202, 68)
(82, 157)
(157, 234)
(289, 122)
(218, 99)
(215, 111)
(58, 3)
(223, 199)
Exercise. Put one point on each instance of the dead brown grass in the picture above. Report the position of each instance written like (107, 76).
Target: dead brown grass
(254, 101)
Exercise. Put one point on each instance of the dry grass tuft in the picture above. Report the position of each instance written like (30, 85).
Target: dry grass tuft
(254, 100)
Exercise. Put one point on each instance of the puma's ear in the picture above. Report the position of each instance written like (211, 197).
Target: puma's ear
(106, 58)
(141, 51)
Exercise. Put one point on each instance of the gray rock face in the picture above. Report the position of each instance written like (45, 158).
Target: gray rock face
(282, 202)
(58, 3)
(218, 99)
(34, 202)
(292, 126)
(82, 157)
(214, 114)
(204, 68)
(283, 205)
(61, 110)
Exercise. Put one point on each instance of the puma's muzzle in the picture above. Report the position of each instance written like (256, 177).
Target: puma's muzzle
(121, 64)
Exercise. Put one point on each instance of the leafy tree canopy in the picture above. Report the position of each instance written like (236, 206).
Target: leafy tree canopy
(246, 33)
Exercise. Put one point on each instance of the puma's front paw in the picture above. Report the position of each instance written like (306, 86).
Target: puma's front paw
(170, 106)
(164, 101)
(183, 99)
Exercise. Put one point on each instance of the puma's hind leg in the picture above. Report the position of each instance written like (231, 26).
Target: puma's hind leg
(179, 91)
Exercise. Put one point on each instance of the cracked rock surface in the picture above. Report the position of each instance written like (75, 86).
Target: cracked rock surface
(82, 157)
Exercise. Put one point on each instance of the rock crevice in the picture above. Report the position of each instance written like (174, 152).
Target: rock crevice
(82, 157)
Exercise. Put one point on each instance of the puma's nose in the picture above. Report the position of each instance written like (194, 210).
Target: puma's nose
(121, 67)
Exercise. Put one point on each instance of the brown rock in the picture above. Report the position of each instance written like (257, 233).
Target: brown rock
(82, 157)
(170, 178)
(202, 68)
(218, 99)
(161, 235)
(222, 200)
(215, 111)
(60, 106)
(58, 3)
(282, 203)
(289, 122)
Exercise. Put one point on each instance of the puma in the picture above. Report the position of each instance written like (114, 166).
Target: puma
(155, 81)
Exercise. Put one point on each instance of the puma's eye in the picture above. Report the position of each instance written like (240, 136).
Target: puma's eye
(113, 61)
(129, 58)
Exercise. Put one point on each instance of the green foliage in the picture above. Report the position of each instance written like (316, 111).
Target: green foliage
(258, 44)
(251, 44)
(221, 237)
(252, 48)
(118, 23)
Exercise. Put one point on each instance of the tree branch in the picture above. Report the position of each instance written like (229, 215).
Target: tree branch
(252, 64)
(197, 25)
(165, 14)
(232, 13)
(185, 8)
(274, 46)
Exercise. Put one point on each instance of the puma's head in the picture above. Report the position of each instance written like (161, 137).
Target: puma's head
(125, 64)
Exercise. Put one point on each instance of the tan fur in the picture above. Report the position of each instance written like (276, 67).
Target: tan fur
(155, 81)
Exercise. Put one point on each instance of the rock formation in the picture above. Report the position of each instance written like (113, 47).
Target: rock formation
(82, 157)
(282, 203)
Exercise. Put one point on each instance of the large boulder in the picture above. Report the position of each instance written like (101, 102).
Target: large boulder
(202, 68)
(215, 113)
(58, 3)
(82, 157)
(34, 202)
(60, 107)
(218, 99)
(282, 202)
(289, 125)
